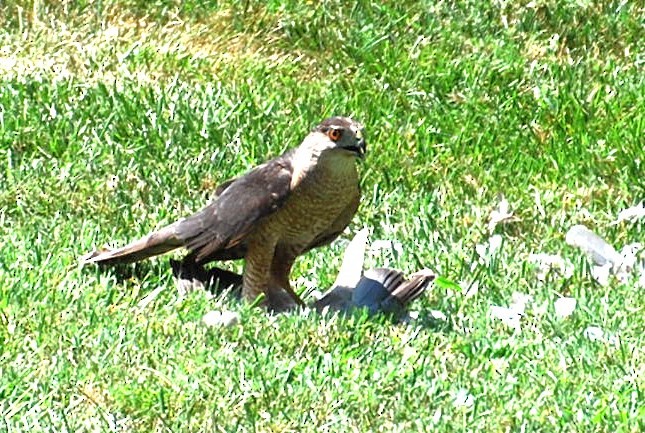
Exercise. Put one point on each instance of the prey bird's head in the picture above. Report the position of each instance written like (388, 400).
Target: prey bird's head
(339, 134)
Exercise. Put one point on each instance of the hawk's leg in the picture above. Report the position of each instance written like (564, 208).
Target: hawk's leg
(283, 260)
(191, 276)
(257, 268)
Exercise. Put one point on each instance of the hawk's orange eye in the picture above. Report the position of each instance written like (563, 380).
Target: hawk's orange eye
(334, 134)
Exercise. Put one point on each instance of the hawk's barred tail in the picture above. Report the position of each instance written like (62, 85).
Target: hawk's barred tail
(155, 243)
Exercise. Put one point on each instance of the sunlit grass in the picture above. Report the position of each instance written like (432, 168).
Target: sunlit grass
(117, 117)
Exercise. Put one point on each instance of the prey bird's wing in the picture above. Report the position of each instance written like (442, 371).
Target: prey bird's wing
(385, 290)
(339, 296)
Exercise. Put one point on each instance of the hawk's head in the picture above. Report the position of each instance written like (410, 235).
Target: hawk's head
(340, 134)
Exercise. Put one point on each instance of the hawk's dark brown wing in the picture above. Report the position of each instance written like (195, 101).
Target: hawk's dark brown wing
(215, 232)
(239, 206)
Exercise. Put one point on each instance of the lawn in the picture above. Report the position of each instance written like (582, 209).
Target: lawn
(119, 116)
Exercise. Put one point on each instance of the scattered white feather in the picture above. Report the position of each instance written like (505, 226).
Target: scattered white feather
(436, 314)
(509, 316)
(519, 301)
(606, 261)
(601, 273)
(631, 214)
(143, 303)
(595, 333)
(463, 399)
(221, 318)
(494, 244)
(113, 182)
(481, 250)
(500, 215)
(562, 363)
(381, 244)
(469, 289)
(564, 307)
(538, 203)
(599, 250)
(487, 251)
(473, 266)
(437, 416)
(398, 247)
(550, 262)
(612, 339)
(629, 255)
(409, 354)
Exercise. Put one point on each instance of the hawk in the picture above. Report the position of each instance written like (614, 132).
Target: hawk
(269, 216)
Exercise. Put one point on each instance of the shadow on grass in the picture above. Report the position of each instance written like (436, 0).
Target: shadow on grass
(227, 284)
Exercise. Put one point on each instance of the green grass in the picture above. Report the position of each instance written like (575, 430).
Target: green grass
(120, 116)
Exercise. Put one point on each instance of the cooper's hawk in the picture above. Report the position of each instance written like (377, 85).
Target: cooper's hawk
(300, 200)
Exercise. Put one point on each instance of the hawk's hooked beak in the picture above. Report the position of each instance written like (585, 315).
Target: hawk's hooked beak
(360, 147)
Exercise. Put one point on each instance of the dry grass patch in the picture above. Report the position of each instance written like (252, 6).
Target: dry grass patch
(116, 46)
